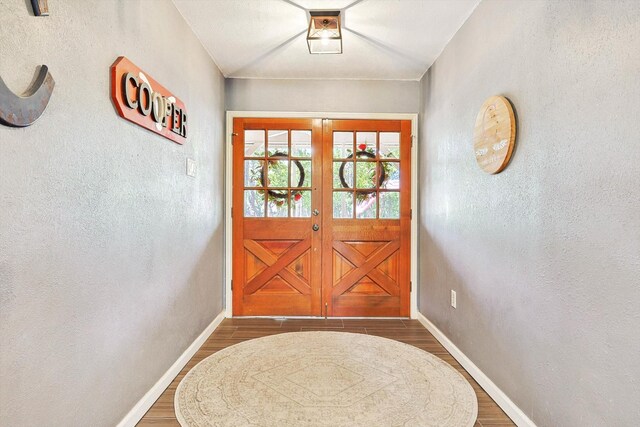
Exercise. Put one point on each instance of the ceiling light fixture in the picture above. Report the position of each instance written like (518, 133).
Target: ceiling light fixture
(324, 35)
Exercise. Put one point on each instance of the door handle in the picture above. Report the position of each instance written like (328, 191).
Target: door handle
(316, 212)
(316, 227)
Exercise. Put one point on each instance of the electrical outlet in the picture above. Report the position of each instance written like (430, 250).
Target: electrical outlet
(454, 302)
(191, 167)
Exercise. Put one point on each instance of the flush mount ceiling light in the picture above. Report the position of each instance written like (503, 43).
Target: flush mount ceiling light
(324, 35)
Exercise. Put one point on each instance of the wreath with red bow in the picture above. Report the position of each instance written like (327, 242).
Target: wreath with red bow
(369, 153)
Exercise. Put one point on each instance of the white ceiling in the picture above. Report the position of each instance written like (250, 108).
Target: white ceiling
(382, 39)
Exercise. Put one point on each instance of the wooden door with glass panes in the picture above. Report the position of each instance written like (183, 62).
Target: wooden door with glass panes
(277, 167)
(367, 221)
(321, 217)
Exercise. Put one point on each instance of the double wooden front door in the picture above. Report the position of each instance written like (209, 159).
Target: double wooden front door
(321, 217)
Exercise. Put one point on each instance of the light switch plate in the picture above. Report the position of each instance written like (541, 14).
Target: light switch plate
(454, 299)
(191, 167)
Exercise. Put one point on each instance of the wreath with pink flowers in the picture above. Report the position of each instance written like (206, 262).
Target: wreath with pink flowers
(260, 174)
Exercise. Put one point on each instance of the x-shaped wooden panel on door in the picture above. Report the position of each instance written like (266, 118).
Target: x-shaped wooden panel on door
(366, 266)
(278, 266)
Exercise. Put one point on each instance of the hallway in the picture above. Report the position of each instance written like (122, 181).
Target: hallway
(465, 169)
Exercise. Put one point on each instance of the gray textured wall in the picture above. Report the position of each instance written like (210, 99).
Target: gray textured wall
(110, 256)
(350, 96)
(545, 256)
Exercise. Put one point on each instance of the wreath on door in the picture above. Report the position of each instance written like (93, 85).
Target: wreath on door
(260, 173)
(368, 153)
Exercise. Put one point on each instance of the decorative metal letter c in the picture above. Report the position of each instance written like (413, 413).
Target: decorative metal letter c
(21, 111)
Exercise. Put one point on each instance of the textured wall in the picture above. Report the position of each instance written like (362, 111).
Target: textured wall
(351, 96)
(110, 256)
(545, 256)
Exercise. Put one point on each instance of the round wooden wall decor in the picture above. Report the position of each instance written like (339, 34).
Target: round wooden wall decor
(495, 134)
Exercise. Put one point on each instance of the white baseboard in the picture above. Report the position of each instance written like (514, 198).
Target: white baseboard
(507, 405)
(137, 412)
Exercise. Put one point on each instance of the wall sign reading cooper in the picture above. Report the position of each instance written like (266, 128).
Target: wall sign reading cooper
(141, 100)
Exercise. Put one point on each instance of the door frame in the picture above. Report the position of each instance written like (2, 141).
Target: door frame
(228, 188)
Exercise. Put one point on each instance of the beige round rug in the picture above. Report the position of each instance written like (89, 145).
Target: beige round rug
(324, 379)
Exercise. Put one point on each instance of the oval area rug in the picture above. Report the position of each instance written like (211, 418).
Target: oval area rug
(324, 379)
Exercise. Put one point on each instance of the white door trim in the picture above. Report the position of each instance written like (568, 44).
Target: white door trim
(315, 115)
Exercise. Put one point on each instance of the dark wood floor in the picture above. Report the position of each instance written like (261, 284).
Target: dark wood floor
(234, 331)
